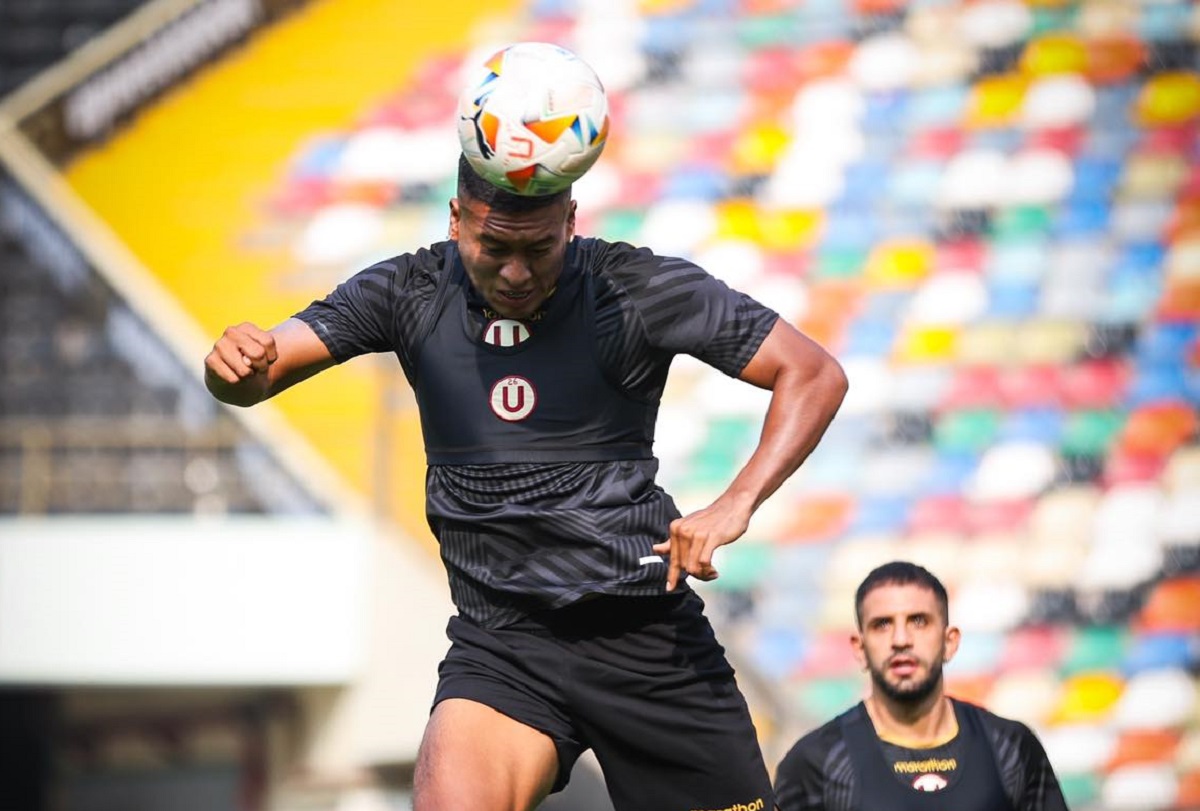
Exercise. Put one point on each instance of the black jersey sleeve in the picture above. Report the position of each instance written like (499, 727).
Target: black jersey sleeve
(677, 307)
(377, 309)
(800, 778)
(1029, 779)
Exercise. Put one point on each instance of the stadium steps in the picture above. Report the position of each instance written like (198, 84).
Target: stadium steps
(185, 186)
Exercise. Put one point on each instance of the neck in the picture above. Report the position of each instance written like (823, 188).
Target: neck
(930, 722)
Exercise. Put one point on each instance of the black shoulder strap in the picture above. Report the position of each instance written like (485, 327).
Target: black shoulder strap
(974, 717)
(447, 281)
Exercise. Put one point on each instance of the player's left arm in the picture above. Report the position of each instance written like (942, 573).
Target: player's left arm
(807, 386)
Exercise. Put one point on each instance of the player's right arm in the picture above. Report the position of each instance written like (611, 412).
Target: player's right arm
(248, 364)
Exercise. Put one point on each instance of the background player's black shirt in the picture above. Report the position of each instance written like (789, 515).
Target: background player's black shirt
(520, 537)
(818, 773)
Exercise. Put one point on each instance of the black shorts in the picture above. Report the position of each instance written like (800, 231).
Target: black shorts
(642, 681)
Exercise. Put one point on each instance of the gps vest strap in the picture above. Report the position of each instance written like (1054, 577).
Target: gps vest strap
(978, 786)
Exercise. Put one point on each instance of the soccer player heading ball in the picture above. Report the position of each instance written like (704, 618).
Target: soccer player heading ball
(538, 359)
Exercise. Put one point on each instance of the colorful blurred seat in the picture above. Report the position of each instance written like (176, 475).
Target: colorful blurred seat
(935, 549)
(1095, 648)
(819, 518)
(1158, 428)
(988, 341)
(1168, 99)
(1094, 384)
(824, 698)
(919, 388)
(1152, 175)
(887, 513)
(1055, 53)
(1140, 787)
(966, 431)
(829, 654)
(1033, 648)
(1089, 697)
(1114, 57)
(1180, 651)
(1141, 220)
(1062, 100)
(1182, 472)
(950, 469)
(1012, 300)
(1078, 748)
(1096, 178)
(1035, 387)
(1178, 522)
(1161, 698)
(940, 512)
(1064, 514)
(1013, 469)
(1080, 217)
(1026, 694)
(1188, 795)
(998, 101)
(1090, 432)
(1171, 606)
(340, 234)
(1144, 746)
(777, 652)
(997, 606)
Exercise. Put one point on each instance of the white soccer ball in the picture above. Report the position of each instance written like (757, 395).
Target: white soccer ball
(533, 118)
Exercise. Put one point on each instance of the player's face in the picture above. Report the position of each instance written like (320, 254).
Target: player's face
(513, 259)
(904, 641)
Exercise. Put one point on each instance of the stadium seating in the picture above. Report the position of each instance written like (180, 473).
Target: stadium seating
(998, 242)
(990, 212)
(94, 419)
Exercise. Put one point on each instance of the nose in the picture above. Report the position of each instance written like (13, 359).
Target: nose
(900, 636)
(515, 271)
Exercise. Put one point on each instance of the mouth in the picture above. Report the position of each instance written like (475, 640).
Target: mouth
(513, 303)
(902, 666)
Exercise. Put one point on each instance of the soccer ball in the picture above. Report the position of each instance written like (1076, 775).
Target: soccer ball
(533, 118)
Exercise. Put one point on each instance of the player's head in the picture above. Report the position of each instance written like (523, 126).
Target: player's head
(471, 185)
(904, 637)
(901, 573)
(512, 247)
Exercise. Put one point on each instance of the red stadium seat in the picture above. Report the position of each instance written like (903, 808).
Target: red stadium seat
(1173, 606)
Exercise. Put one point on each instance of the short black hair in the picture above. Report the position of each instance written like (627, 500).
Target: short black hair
(471, 185)
(901, 573)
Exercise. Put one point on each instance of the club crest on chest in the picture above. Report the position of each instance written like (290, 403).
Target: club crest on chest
(513, 398)
(505, 332)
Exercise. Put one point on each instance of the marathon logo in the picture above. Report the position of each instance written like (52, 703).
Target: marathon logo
(754, 805)
(923, 766)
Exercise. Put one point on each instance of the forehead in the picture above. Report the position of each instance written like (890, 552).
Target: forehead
(535, 224)
(893, 599)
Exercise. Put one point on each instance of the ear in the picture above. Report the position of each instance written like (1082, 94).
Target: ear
(953, 636)
(860, 653)
(455, 216)
(571, 222)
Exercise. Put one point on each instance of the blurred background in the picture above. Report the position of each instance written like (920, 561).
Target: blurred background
(988, 210)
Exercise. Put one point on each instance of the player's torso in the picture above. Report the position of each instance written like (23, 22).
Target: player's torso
(492, 389)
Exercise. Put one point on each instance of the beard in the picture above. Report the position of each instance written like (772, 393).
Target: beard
(912, 692)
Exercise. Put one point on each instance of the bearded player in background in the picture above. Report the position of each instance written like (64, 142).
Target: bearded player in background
(908, 746)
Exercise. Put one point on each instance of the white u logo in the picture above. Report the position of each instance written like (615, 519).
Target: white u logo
(513, 398)
(505, 332)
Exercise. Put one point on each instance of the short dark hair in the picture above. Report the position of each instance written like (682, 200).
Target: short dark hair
(471, 185)
(901, 573)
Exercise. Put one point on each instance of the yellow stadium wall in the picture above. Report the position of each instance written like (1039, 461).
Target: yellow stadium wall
(185, 183)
